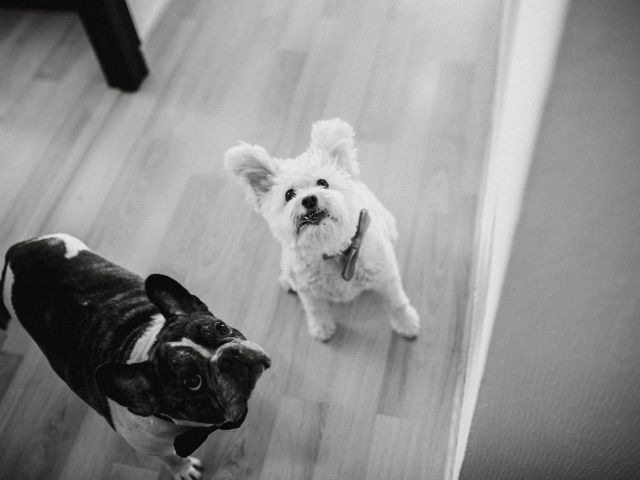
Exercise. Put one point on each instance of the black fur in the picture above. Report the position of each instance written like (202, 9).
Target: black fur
(82, 312)
(86, 314)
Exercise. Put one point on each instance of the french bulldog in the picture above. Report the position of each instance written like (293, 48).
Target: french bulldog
(146, 355)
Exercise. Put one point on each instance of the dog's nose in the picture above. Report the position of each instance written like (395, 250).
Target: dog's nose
(310, 202)
(246, 353)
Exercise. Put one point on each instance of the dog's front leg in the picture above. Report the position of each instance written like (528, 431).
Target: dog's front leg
(285, 278)
(404, 318)
(319, 317)
(189, 468)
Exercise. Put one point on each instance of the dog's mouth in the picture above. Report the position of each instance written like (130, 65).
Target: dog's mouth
(236, 371)
(313, 217)
(233, 392)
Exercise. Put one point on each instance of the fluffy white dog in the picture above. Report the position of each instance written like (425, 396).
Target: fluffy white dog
(314, 205)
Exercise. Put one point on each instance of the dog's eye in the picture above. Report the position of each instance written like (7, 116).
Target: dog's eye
(322, 183)
(222, 328)
(193, 382)
(290, 194)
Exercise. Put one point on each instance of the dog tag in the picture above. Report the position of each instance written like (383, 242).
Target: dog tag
(351, 254)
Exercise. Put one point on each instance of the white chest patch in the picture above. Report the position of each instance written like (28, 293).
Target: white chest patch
(6, 292)
(72, 245)
(150, 435)
(140, 352)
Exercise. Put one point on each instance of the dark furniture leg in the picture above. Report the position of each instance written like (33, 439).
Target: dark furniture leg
(112, 33)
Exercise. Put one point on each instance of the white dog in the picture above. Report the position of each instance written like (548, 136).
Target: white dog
(314, 205)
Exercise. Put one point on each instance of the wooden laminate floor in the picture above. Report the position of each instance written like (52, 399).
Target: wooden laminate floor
(139, 178)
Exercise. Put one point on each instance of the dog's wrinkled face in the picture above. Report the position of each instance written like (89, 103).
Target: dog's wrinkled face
(207, 370)
(308, 201)
(199, 369)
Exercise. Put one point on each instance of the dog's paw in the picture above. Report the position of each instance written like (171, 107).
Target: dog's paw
(285, 283)
(322, 330)
(406, 322)
(191, 469)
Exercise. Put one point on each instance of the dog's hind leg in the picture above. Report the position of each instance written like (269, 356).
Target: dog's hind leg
(285, 283)
(403, 316)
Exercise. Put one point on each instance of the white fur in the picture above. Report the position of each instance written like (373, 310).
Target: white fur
(72, 245)
(140, 352)
(187, 342)
(331, 156)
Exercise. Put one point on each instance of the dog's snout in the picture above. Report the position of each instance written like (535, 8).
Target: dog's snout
(246, 353)
(229, 357)
(233, 351)
(310, 202)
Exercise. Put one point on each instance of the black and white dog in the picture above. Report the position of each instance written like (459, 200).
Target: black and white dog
(146, 355)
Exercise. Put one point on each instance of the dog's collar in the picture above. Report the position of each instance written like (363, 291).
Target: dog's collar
(188, 442)
(350, 255)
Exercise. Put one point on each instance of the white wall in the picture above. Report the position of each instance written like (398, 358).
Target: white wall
(530, 35)
(560, 396)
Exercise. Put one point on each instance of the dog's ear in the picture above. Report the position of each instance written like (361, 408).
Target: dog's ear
(130, 385)
(335, 137)
(170, 297)
(253, 168)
